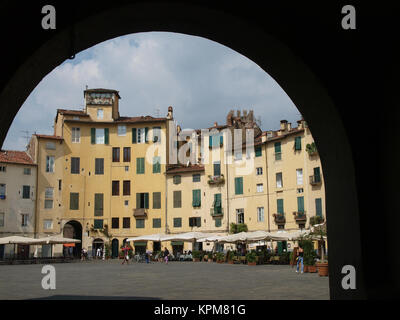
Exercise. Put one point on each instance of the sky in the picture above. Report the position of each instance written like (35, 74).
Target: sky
(201, 79)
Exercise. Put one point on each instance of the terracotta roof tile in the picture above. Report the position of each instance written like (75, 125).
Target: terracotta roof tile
(46, 136)
(11, 156)
(183, 169)
(73, 112)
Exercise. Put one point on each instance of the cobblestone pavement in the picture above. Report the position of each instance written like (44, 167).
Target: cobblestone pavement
(177, 280)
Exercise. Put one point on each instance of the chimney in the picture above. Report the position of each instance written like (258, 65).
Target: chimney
(178, 129)
(229, 118)
(245, 114)
(170, 114)
(299, 124)
(289, 126)
(215, 124)
(251, 116)
(284, 125)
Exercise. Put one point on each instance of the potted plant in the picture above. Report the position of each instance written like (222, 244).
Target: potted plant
(311, 149)
(251, 258)
(322, 264)
(210, 257)
(196, 256)
(231, 256)
(220, 257)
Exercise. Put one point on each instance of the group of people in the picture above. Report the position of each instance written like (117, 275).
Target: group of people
(148, 254)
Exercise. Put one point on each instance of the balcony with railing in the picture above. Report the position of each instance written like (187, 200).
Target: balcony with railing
(217, 211)
(216, 180)
(315, 180)
(279, 218)
(300, 217)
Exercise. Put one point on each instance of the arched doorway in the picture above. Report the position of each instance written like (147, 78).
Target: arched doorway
(97, 248)
(114, 248)
(73, 229)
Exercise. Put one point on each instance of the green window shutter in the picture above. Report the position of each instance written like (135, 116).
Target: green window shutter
(196, 198)
(317, 174)
(318, 207)
(156, 200)
(218, 222)
(140, 165)
(93, 135)
(258, 152)
(221, 140)
(146, 200)
(217, 200)
(106, 136)
(277, 147)
(133, 135)
(146, 131)
(98, 224)
(157, 223)
(297, 143)
(74, 201)
(210, 140)
(279, 204)
(300, 204)
(239, 185)
(177, 222)
(177, 199)
(156, 165)
(98, 204)
(198, 222)
(137, 200)
(217, 169)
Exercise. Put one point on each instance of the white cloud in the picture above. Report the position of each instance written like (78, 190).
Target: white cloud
(200, 78)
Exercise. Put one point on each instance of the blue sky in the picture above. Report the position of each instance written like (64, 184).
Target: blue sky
(200, 78)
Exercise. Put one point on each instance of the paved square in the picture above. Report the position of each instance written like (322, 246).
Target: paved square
(177, 280)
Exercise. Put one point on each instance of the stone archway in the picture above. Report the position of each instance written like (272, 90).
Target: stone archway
(73, 229)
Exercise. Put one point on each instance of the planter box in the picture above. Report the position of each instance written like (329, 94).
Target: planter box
(312, 269)
(251, 263)
(322, 269)
(305, 269)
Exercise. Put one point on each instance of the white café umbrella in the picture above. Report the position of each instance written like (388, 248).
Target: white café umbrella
(188, 236)
(150, 237)
(17, 240)
(56, 239)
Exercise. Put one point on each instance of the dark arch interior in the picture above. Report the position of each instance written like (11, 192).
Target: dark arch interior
(302, 47)
(73, 229)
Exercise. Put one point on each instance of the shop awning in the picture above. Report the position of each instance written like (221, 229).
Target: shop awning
(69, 244)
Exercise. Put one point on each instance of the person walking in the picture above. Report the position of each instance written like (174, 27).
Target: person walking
(300, 254)
(166, 253)
(126, 254)
(98, 253)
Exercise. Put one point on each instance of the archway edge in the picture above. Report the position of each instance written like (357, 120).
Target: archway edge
(298, 81)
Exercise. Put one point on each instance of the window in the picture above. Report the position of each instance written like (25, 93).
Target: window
(196, 201)
(177, 222)
(300, 204)
(194, 222)
(260, 214)
(217, 168)
(100, 114)
(177, 179)
(299, 174)
(59, 184)
(27, 171)
(99, 136)
(239, 185)
(258, 151)
(196, 178)
(260, 187)
(76, 135)
(122, 130)
(279, 205)
(259, 171)
(49, 163)
(98, 204)
(140, 167)
(126, 223)
(126, 188)
(115, 188)
(98, 223)
(139, 223)
(74, 201)
(115, 154)
(157, 134)
(156, 200)
(300, 190)
(139, 135)
(239, 215)
(156, 223)
(1, 219)
(26, 190)
(218, 222)
(47, 224)
(127, 154)
(156, 165)
(297, 143)
(114, 223)
(215, 140)
(2, 191)
(2, 168)
(238, 154)
(126, 202)
(48, 202)
(75, 164)
(278, 153)
(317, 175)
(279, 183)
(217, 205)
(50, 146)
(126, 168)
(318, 207)
(24, 220)
(99, 166)
(142, 200)
(177, 199)
(281, 226)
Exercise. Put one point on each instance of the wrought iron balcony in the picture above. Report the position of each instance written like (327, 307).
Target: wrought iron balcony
(279, 218)
(300, 217)
(315, 180)
(217, 211)
(216, 179)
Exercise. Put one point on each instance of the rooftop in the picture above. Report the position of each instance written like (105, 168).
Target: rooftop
(11, 156)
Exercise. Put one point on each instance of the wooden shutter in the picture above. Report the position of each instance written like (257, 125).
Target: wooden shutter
(277, 147)
(138, 204)
(279, 204)
(146, 200)
(317, 174)
(297, 143)
(156, 200)
(318, 207)
(300, 204)
(93, 135)
(217, 169)
(196, 198)
(239, 185)
(210, 140)
(74, 201)
(258, 152)
(127, 188)
(106, 136)
(133, 135)
(98, 204)
(198, 222)
(146, 134)
(177, 199)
